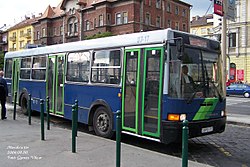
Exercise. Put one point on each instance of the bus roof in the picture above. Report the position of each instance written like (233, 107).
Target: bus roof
(141, 38)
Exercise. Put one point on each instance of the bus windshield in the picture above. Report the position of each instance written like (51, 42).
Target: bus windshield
(196, 75)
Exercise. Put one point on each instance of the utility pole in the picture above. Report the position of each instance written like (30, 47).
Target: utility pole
(224, 43)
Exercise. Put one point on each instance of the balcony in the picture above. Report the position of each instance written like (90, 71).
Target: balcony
(13, 38)
(12, 49)
(27, 35)
(71, 35)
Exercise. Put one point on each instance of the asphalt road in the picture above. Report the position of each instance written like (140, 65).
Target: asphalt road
(238, 105)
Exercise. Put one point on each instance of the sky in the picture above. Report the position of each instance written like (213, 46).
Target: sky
(13, 11)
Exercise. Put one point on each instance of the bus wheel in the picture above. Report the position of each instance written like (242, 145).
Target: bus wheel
(24, 106)
(102, 122)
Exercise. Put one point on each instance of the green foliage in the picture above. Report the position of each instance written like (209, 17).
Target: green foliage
(99, 35)
(1, 60)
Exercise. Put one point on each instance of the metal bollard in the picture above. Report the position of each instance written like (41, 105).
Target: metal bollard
(15, 99)
(118, 138)
(48, 113)
(185, 144)
(29, 108)
(73, 129)
(76, 122)
(42, 119)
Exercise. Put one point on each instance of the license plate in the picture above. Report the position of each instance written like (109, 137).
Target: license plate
(207, 129)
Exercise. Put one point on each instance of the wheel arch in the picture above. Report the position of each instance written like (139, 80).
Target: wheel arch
(98, 103)
(23, 92)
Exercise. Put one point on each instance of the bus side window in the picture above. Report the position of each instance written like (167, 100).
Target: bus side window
(106, 67)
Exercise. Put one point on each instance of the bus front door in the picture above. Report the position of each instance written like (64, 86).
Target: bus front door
(142, 89)
(55, 83)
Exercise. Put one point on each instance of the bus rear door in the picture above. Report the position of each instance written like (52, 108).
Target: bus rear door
(55, 83)
(15, 77)
(141, 90)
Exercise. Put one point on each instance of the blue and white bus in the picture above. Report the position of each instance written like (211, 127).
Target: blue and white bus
(139, 74)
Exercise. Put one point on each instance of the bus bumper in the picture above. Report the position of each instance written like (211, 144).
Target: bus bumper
(172, 131)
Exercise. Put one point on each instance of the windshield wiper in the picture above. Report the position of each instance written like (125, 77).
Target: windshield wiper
(220, 97)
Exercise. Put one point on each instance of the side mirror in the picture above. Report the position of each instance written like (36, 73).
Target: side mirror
(179, 47)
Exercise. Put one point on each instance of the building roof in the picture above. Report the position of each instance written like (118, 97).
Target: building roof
(28, 21)
(79, 2)
(201, 21)
(52, 12)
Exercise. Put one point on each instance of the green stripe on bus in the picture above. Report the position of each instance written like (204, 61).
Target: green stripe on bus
(205, 111)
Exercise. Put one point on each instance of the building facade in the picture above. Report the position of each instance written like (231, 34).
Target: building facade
(85, 18)
(238, 40)
(3, 41)
(48, 28)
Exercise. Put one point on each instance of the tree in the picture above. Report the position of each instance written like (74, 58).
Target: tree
(1, 59)
(99, 35)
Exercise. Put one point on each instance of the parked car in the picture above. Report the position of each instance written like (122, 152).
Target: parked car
(238, 89)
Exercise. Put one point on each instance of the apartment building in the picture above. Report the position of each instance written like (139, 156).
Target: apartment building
(21, 35)
(238, 39)
(74, 20)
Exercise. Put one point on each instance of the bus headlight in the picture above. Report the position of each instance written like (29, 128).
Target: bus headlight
(183, 117)
(177, 117)
(223, 113)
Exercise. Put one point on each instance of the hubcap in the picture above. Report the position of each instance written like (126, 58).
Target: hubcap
(246, 94)
(103, 122)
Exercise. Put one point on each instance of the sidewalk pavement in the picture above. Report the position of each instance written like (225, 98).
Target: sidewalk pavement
(238, 119)
(21, 146)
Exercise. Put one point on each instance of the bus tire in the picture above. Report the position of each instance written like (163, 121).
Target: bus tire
(103, 122)
(24, 104)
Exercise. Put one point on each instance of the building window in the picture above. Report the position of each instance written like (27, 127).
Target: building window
(38, 35)
(43, 32)
(72, 26)
(158, 21)
(125, 17)
(21, 33)
(168, 7)
(203, 30)
(184, 12)
(232, 40)
(118, 18)
(177, 25)
(184, 27)
(176, 10)
(87, 25)
(54, 31)
(21, 44)
(95, 25)
(108, 18)
(169, 24)
(100, 20)
(150, 2)
(75, 27)
(61, 30)
(193, 31)
(147, 20)
(158, 4)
